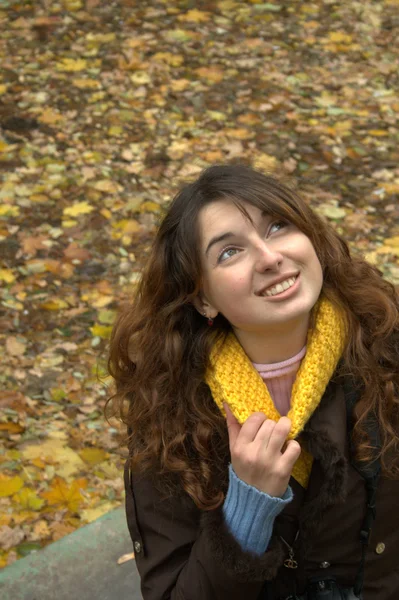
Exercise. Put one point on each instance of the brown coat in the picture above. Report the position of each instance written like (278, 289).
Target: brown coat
(183, 553)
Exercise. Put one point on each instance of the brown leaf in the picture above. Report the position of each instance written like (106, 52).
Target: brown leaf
(15, 346)
(10, 537)
(30, 245)
(125, 558)
(40, 531)
(59, 530)
(12, 427)
(74, 252)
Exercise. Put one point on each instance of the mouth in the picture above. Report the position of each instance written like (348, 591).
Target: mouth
(281, 289)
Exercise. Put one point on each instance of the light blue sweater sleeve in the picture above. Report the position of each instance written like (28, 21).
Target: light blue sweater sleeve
(250, 513)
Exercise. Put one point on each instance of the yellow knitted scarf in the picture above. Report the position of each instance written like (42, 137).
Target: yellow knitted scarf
(232, 378)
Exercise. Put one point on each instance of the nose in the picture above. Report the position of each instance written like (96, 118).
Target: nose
(267, 258)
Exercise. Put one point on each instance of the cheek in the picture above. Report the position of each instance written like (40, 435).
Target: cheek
(316, 267)
(226, 289)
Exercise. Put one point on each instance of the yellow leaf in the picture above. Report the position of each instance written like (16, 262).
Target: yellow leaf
(227, 5)
(102, 331)
(265, 162)
(55, 451)
(50, 116)
(178, 148)
(66, 496)
(149, 207)
(115, 130)
(9, 210)
(28, 499)
(38, 198)
(393, 241)
(216, 115)
(69, 223)
(5, 519)
(86, 84)
(371, 257)
(174, 60)
(140, 78)
(107, 317)
(326, 99)
(7, 275)
(195, 16)
(342, 126)
(390, 188)
(93, 456)
(106, 185)
(331, 211)
(13, 454)
(80, 208)
(378, 132)
(239, 133)
(110, 470)
(73, 5)
(211, 74)
(91, 514)
(340, 38)
(57, 394)
(388, 250)
(9, 485)
(127, 226)
(3, 88)
(54, 304)
(106, 213)
(179, 85)
(39, 463)
(72, 64)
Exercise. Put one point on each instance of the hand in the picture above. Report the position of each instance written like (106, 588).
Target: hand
(260, 453)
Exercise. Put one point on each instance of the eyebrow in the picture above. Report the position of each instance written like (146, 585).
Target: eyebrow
(219, 238)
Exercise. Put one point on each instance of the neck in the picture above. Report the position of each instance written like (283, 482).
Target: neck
(274, 345)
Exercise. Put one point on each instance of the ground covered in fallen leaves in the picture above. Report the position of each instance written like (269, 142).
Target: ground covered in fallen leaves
(106, 107)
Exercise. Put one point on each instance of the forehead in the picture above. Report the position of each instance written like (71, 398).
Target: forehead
(224, 215)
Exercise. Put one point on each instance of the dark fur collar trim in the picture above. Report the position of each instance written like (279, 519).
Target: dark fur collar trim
(245, 566)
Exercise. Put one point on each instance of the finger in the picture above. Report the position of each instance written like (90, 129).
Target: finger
(233, 425)
(290, 456)
(279, 435)
(265, 431)
(251, 427)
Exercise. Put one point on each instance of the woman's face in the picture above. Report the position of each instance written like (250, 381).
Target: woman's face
(260, 275)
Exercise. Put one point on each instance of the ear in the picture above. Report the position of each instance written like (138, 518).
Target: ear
(202, 304)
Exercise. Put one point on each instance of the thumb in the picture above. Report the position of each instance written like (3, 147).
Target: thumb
(233, 426)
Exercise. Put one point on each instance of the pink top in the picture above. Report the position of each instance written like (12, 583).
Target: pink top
(279, 378)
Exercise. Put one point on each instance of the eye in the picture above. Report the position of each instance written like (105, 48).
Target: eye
(279, 225)
(226, 253)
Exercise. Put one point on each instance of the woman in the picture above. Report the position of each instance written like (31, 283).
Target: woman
(257, 372)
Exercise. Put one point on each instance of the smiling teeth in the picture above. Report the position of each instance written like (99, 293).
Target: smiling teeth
(281, 287)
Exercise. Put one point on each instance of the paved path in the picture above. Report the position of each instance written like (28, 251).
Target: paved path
(80, 566)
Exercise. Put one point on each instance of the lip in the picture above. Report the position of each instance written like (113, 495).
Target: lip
(286, 293)
(276, 281)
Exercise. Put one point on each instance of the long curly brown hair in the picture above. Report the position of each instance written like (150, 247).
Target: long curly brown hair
(160, 343)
